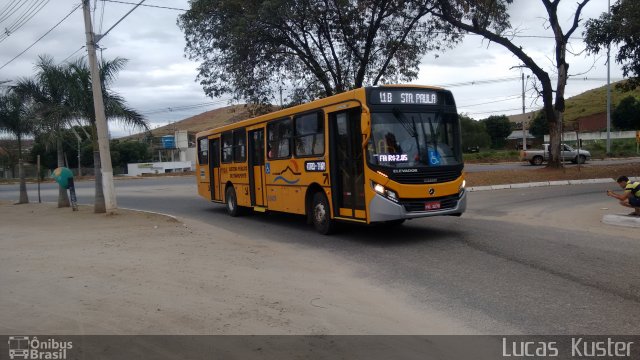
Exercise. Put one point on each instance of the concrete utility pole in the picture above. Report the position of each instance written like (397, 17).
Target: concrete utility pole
(609, 89)
(101, 120)
(524, 126)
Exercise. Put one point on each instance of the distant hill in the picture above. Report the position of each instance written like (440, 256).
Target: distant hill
(206, 120)
(594, 101)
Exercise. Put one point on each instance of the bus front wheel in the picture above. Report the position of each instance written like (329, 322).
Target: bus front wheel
(232, 202)
(321, 215)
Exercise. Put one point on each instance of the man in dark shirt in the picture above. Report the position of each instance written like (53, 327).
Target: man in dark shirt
(631, 195)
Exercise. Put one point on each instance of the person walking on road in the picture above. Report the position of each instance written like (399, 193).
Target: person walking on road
(631, 195)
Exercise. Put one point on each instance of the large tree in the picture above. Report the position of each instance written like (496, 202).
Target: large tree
(16, 118)
(473, 133)
(315, 47)
(626, 115)
(622, 28)
(498, 127)
(490, 20)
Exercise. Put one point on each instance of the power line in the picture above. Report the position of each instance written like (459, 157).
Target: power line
(182, 108)
(41, 37)
(495, 111)
(511, 97)
(23, 19)
(75, 52)
(479, 82)
(9, 10)
(146, 5)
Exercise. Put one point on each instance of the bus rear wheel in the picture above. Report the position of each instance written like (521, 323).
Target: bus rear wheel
(232, 202)
(321, 215)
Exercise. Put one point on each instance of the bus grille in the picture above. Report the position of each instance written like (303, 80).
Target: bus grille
(428, 176)
(446, 202)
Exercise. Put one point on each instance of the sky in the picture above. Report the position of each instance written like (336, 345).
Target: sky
(160, 82)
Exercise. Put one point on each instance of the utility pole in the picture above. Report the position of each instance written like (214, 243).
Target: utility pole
(101, 121)
(609, 89)
(524, 126)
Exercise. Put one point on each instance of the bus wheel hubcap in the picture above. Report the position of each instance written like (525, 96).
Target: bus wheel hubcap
(320, 214)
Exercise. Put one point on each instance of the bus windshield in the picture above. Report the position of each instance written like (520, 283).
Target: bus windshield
(413, 139)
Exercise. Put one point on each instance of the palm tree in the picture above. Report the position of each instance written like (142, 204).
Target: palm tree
(81, 98)
(49, 91)
(16, 119)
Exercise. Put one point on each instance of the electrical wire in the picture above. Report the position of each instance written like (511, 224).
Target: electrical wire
(75, 52)
(23, 19)
(146, 5)
(182, 108)
(42, 37)
(9, 10)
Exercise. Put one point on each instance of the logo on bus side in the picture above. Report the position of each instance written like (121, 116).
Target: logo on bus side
(287, 174)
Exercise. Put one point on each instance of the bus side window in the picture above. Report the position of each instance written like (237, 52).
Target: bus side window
(203, 150)
(309, 135)
(227, 147)
(239, 145)
(279, 139)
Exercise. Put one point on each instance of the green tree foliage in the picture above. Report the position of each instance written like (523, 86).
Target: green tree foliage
(621, 28)
(126, 152)
(16, 119)
(122, 152)
(490, 20)
(316, 47)
(474, 133)
(498, 127)
(539, 126)
(626, 115)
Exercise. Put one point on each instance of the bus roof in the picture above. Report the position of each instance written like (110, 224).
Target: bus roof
(356, 94)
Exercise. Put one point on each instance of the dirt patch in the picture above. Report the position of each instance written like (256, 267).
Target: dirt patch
(64, 272)
(500, 177)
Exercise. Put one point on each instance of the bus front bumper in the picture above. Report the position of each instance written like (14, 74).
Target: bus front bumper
(383, 209)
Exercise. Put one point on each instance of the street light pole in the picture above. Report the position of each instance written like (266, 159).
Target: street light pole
(101, 121)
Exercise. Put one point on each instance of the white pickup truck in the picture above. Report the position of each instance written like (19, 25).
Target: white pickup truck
(537, 157)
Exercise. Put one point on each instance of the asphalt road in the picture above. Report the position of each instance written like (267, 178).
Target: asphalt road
(494, 273)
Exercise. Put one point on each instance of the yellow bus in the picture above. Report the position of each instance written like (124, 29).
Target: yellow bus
(370, 155)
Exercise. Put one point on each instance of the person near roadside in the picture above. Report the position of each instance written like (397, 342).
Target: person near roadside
(631, 195)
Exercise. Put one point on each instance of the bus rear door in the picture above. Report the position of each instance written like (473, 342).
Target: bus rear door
(214, 168)
(256, 167)
(347, 168)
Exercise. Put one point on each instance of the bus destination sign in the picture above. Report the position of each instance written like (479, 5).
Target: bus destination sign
(404, 97)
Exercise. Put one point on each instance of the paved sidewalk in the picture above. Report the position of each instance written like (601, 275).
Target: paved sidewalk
(610, 219)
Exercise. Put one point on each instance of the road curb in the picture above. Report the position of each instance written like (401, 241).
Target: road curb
(545, 183)
(621, 220)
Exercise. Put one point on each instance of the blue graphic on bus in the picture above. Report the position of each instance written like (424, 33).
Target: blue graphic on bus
(267, 168)
(434, 157)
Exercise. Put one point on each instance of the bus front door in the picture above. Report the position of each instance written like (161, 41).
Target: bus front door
(214, 169)
(347, 167)
(256, 167)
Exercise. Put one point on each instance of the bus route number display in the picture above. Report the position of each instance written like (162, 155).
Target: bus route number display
(408, 97)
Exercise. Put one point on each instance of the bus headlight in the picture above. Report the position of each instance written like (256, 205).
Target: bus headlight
(462, 187)
(387, 193)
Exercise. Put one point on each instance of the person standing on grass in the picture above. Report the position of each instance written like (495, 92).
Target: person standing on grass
(631, 195)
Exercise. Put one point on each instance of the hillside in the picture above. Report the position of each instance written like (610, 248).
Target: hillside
(200, 122)
(594, 101)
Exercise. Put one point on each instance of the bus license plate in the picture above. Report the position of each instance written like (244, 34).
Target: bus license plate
(433, 205)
